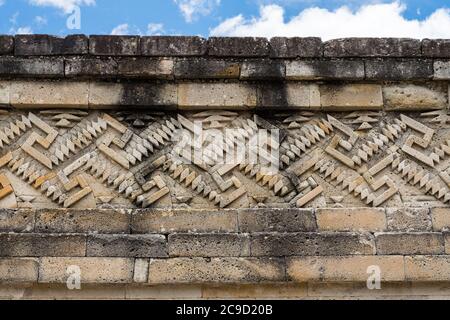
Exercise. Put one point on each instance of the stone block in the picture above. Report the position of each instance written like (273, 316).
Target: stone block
(202, 68)
(17, 271)
(143, 67)
(427, 268)
(215, 270)
(49, 94)
(409, 243)
(351, 219)
(163, 46)
(104, 221)
(441, 219)
(31, 67)
(415, 97)
(209, 245)
(114, 45)
(441, 70)
(325, 70)
(409, 219)
(6, 44)
(404, 69)
(296, 47)
(16, 220)
(290, 95)
(44, 45)
(436, 48)
(372, 47)
(93, 270)
(263, 70)
(182, 221)
(238, 96)
(344, 269)
(41, 245)
(91, 67)
(351, 97)
(238, 47)
(133, 246)
(276, 220)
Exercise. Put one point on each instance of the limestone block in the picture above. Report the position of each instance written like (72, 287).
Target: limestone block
(202, 68)
(427, 268)
(209, 245)
(282, 47)
(290, 95)
(440, 218)
(409, 243)
(215, 270)
(409, 219)
(344, 269)
(46, 94)
(352, 219)
(324, 69)
(16, 220)
(415, 97)
(23, 270)
(355, 96)
(93, 270)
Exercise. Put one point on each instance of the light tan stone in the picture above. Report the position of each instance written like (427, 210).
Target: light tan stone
(238, 96)
(49, 94)
(303, 95)
(4, 93)
(165, 292)
(18, 270)
(216, 270)
(93, 270)
(104, 95)
(344, 269)
(354, 219)
(414, 97)
(351, 97)
(440, 218)
(256, 291)
(442, 70)
(427, 268)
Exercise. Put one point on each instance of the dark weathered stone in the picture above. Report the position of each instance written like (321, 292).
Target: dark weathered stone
(335, 69)
(144, 67)
(41, 245)
(87, 67)
(263, 70)
(149, 94)
(16, 220)
(410, 243)
(82, 221)
(372, 47)
(178, 46)
(436, 48)
(6, 44)
(404, 69)
(238, 47)
(114, 45)
(296, 47)
(408, 219)
(163, 221)
(202, 68)
(136, 246)
(309, 244)
(209, 245)
(32, 67)
(41, 45)
(276, 220)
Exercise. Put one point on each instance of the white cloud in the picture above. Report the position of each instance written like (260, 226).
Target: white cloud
(191, 9)
(40, 21)
(374, 20)
(155, 29)
(64, 5)
(20, 30)
(121, 30)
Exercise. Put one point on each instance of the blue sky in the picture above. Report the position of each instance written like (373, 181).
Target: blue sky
(325, 18)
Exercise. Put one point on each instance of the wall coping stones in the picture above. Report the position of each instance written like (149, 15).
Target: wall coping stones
(179, 46)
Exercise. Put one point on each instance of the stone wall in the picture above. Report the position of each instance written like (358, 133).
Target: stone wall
(94, 173)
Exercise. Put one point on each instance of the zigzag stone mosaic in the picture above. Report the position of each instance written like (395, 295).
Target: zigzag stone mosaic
(80, 159)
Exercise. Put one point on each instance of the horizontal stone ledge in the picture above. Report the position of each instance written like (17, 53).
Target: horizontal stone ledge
(313, 269)
(277, 47)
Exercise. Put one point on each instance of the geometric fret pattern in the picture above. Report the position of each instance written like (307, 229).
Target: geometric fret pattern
(79, 159)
